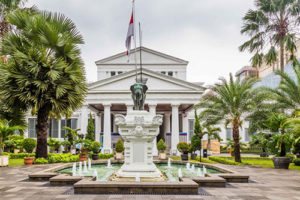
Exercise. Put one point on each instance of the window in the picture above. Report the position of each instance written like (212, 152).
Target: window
(191, 128)
(120, 72)
(247, 135)
(163, 72)
(54, 128)
(72, 123)
(170, 73)
(31, 127)
(112, 73)
(229, 133)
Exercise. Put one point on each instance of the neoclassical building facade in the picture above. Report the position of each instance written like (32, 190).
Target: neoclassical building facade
(169, 94)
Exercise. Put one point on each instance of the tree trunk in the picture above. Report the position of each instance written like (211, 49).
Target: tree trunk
(281, 57)
(41, 129)
(236, 137)
(208, 143)
(283, 150)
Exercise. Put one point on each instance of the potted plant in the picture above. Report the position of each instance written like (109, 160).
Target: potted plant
(5, 131)
(196, 144)
(119, 147)
(95, 148)
(85, 146)
(161, 147)
(261, 140)
(53, 144)
(66, 144)
(183, 148)
(29, 144)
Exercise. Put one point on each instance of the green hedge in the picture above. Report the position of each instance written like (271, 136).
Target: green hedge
(62, 157)
(224, 160)
(105, 156)
(41, 161)
(20, 155)
(297, 161)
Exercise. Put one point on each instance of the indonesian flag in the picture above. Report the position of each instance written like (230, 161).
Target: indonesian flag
(130, 34)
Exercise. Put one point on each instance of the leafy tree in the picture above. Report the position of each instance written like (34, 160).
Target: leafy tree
(231, 144)
(5, 131)
(232, 102)
(44, 68)
(272, 26)
(212, 133)
(90, 129)
(196, 144)
(261, 140)
(198, 130)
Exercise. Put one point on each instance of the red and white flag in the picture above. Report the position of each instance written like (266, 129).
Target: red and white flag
(130, 34)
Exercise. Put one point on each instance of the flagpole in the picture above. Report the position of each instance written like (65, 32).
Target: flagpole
(134, 29)
(141, 66)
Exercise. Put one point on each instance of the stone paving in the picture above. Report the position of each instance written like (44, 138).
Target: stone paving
(264, 184)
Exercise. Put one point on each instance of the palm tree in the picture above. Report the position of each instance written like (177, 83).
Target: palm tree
(273, 25)
(231, 101)
(44, 69)
(5, 131)
(212, 133)
(71, 135)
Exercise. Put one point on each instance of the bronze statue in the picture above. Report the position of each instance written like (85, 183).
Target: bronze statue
(138, 94)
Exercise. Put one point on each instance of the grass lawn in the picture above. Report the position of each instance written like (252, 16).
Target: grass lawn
(204, 160)
(15, 162)
(260, 162)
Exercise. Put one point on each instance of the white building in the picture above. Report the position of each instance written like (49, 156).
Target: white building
(169, 94)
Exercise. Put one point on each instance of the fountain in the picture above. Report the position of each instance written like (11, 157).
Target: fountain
(188, 166)
(80, 169)
(199, 172)
(204, 170)
(138, 128)
(84, 167)
(109, 164)
(169, 163)
(138, 178)
(74, 169)
(90, 164)
(95, 174)
(193, 167)
(179, 173)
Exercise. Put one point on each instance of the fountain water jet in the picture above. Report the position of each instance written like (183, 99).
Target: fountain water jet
(199, 172)
(90, 164)
(109, 164)
(138, 178)
(188, 166)
(169, 163)
(95, 174)
(74, 169)
(193, 167)
(204, 170)
(80, 169)
(179, 173)
(84, 167)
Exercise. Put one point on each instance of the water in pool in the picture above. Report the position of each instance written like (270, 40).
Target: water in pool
(172, 173)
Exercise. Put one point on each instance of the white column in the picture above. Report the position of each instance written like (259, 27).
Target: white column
(97, 126)
(107, 130)
(175, 129)
(185, 127)
(84, 119)
(167, 123)
(152, 110)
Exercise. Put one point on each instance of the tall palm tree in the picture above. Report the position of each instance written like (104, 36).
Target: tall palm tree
(273, 27)
(5, 131)
(44, 68)
(230, 101)
(212, 133)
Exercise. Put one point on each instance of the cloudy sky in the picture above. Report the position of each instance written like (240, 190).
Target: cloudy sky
(204, 32)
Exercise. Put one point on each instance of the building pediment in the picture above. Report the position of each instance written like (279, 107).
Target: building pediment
(156, 83)
(149, 57)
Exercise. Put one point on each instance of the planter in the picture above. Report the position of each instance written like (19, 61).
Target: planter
(185, 156)
(28, 160)
(193, 156)
(82, 158)
(95, 157)
(162, 155)
(264, 154)
(4, 160)
(281, 162)
(119, 155)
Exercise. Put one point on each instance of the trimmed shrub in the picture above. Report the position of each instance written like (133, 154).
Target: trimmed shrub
(224, 161)
(53, 144)
(90, 129)
(161, 146)
(183, 147)
(105, 156)
(119, 146)
(41, 161)
(95, 147)
(20, 155)
(297, 161)
(29, 144)
(63, 157)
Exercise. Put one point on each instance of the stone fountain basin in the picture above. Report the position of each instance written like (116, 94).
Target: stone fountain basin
(88, 185)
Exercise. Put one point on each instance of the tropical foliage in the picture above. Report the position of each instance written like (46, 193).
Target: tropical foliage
(5, 131)
(212, 133)
(44, 69)
(230, 102)
(272, 27)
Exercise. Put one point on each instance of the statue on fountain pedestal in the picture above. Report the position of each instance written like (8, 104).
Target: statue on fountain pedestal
(138, 94)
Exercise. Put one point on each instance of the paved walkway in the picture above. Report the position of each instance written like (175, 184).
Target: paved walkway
(265, 184)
